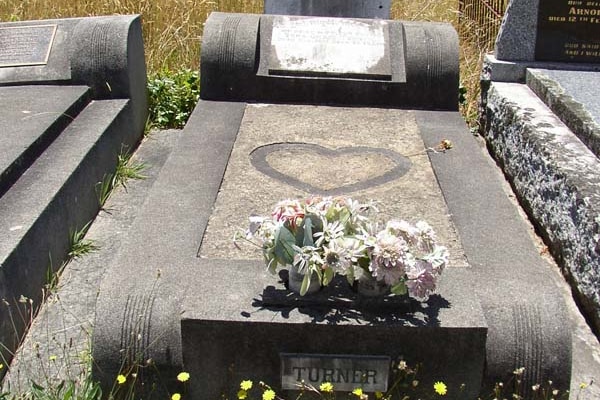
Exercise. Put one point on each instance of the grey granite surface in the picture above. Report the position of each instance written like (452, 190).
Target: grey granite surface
(556, 177)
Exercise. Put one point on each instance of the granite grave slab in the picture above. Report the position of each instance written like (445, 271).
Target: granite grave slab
(215, 311)
(72, 97)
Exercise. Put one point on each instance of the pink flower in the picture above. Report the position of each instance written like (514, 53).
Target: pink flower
(421, 280)
(290, 211)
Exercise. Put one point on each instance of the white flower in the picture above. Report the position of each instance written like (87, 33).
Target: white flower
(426, 236)
(389, 258)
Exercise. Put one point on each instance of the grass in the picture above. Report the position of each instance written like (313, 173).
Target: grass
(126, 169)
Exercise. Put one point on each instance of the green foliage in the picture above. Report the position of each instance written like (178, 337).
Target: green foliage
(172, 97)
(72, 390)
(79, 245)
(126, 169)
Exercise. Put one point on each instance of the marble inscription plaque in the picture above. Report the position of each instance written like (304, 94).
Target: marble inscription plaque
(568, 30)
(344, 372)
(330, 47)
(26, 45)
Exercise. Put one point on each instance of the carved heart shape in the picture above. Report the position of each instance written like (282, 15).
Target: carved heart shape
(318, 170)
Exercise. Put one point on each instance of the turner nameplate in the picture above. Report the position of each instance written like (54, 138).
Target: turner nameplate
(345, 372)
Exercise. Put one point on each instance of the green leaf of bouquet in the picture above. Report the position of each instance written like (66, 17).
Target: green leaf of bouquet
(272, 265)
(284, 242)
(316, 222)
(308, 233)
(399, 289)
(305, 283)
(327, 276)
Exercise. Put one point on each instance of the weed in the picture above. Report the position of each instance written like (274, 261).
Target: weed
(125, 170)
(104, 188)
(79, 245)
(172, 97)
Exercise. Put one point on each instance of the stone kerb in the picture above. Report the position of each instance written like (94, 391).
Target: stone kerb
(547, 57)
(331, 8)
(63, 132)
(249, 57)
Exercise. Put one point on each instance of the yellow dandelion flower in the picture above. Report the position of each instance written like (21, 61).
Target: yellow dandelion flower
(326, 387)
(440, 388)
(1, 365)
(583, 385)
(268, 394)
(176, 396)
(52, 358)
(246, 385)
(378, 395)
(242, 394)
(121, 379)
(358, 392)
(183, 377)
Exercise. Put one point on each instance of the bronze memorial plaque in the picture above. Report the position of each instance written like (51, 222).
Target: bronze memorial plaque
(568, 30)
(26, 45)
(344, 372)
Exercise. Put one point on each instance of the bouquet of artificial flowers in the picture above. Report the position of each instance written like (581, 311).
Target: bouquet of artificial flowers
(324, 236)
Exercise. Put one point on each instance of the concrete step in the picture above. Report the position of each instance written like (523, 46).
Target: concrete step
(55, 196)
(64, 325)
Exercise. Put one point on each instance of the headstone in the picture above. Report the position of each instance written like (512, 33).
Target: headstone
(415, 63)
(72, 97)
(552, 30)
(568, 30)
(330, 8)
(270, 127)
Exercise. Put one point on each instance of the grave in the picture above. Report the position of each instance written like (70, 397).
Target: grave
(72, 97)
(331, 8)
(271, 126)
(541, 121)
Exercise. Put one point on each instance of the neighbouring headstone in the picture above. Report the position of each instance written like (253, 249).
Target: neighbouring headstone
(550, 30)
(545, 34)
(568, 30)
(330, 8)
(72, 97)
(281, 116)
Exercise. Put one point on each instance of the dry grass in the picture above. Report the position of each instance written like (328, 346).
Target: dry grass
(173, 28)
